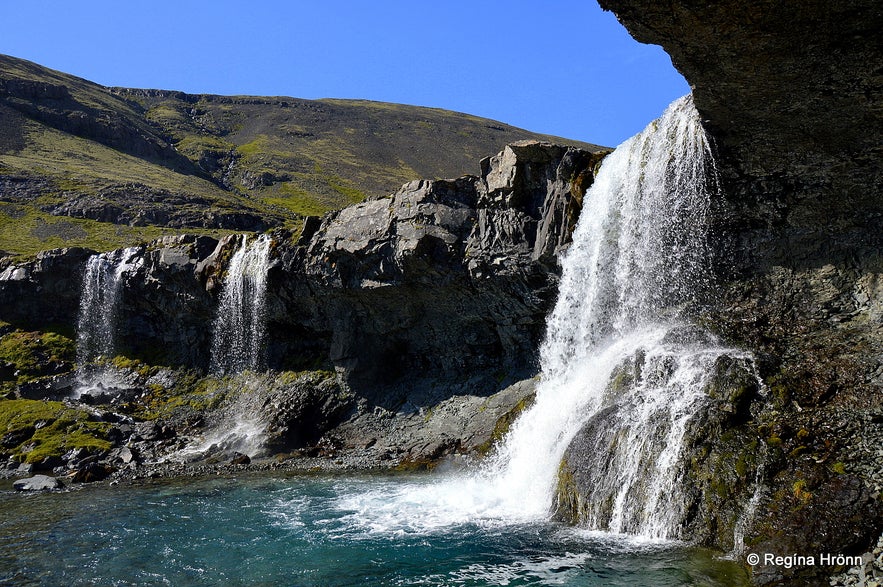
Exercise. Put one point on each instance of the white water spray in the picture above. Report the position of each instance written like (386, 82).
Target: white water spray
(238, 330)
(99, 307)
(639, 258)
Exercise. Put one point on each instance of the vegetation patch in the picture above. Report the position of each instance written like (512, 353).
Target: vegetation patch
(40, 432)
(27, 355)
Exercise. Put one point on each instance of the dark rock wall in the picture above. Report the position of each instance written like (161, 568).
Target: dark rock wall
(791, 94)
(445, 281)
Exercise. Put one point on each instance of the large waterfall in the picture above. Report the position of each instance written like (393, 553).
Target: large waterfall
(623, 371)
(638, 258)
(238, 330)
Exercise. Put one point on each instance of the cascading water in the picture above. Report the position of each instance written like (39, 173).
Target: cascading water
(237, 346)
(99, 305)
(238, 335)
(639, 258)
(639, 255)
(99, 300)
(617, 353)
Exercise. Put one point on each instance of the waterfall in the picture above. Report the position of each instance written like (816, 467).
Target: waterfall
(624, 376)
(237, 347)
(238, 330)
(97, 319)
(617, 358)
(99, 301)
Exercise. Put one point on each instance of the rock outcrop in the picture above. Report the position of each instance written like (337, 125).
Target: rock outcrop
(791, 95)
(444, 281)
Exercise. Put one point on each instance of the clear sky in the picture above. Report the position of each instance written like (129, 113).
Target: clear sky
(561, 67)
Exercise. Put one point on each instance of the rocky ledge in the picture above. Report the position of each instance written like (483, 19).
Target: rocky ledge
(401, 332)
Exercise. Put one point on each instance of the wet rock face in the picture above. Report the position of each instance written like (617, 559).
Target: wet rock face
(714, 475)
(791, 93)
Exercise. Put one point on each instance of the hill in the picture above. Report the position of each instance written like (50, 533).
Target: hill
(87, 165)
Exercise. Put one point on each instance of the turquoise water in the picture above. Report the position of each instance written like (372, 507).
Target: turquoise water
(313, 531)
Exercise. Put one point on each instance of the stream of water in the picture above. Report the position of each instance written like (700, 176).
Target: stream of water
(238, 330)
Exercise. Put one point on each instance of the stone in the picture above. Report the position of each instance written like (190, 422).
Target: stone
(240, 459)
(38, 483)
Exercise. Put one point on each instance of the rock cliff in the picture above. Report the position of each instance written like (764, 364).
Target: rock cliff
(443, 281)
(791, 95)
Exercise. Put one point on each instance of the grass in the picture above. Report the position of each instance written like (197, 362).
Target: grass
(25, 231)
(47, 430)
(65, 157)
(30, 353)
(298, 201)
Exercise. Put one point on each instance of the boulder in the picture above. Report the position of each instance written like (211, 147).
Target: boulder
(38, 483)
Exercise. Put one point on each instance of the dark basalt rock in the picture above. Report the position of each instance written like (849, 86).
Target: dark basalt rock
(791, 96)
(44, 291)
(448, 279)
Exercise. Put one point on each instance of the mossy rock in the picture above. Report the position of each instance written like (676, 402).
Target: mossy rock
(41, 432)
(504, 423)
(25, 356)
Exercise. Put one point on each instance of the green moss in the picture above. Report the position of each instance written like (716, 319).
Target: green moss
(568, 504)
(190, 392)
(800, 492)
(342, 187)
(839, 468)
(194, 146)
(298, 200)
(48, 429)
(33, 354)
(135, 365)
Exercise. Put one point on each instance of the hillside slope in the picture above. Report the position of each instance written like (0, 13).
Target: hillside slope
(124, 165)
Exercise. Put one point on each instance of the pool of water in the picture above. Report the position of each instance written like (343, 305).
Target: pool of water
(316, 531)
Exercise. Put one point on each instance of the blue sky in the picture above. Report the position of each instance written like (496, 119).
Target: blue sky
(561, 67)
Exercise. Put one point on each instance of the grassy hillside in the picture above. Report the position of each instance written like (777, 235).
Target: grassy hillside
(81, 164)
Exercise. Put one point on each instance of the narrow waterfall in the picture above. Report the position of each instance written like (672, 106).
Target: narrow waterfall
(99, 301)
(639, 258)
(237, 346)
(238, 330)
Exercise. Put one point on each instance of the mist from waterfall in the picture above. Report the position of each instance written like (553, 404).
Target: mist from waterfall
(619, 352)
(239, 326)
